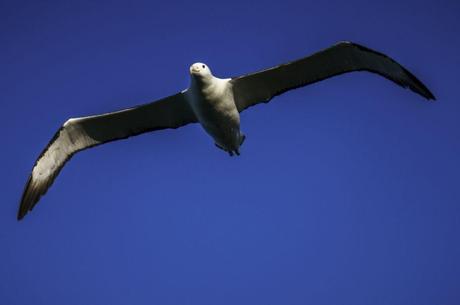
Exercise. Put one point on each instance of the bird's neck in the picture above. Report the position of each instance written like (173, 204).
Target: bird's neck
(200, 82)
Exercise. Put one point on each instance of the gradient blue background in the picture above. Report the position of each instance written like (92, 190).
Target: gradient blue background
(346, 192)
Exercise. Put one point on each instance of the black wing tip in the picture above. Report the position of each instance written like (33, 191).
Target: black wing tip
(23, 205)
(21, 215)
(429, 96)
(417, 86)
(27, 205)
(29, 198)
(420, 88)
(24, 208)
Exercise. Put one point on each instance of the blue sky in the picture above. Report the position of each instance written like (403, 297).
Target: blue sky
(346, 192)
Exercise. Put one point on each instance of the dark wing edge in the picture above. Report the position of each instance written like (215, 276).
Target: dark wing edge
(82, 133)
(341, 58)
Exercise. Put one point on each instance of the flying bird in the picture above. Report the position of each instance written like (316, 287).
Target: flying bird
(213, 102)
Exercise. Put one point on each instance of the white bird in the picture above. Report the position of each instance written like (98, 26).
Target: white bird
(213, 102)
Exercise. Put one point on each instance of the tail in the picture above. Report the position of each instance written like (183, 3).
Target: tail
(235, 150)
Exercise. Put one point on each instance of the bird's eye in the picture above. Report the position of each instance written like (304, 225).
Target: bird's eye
(203, 66)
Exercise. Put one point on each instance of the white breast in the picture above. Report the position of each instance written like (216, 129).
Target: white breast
(213, 103)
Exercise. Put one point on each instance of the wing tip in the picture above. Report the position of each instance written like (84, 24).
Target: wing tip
(20, 215)
(29, 198)
(416, 85)
(27, 204)
(431, 98)
(23, 209)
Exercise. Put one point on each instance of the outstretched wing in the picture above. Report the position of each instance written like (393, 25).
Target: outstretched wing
(343, 57)
(81, 133)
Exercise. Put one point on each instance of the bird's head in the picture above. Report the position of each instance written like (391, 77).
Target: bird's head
(200, 70)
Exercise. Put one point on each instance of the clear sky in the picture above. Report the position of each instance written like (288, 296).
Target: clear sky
(346, 192)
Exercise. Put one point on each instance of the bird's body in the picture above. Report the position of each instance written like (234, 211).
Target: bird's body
(213, 102)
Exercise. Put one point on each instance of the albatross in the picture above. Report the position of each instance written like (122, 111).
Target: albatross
(213, 102)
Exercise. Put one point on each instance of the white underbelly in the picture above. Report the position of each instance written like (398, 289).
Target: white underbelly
(220, 119)
(214, 107)
(222, 123)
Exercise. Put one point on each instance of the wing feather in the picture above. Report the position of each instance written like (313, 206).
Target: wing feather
(82, 133)
(341, 58)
